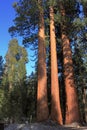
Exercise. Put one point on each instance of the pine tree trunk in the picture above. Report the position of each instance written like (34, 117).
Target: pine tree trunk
(42, 103)
(72, 110)
(56, 114)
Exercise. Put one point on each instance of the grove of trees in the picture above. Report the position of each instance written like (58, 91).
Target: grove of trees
(57, 90)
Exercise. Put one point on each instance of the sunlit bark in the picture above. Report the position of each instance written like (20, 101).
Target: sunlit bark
(56, 114)
(42, 104)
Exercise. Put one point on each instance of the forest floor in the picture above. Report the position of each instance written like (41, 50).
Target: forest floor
(44, 126)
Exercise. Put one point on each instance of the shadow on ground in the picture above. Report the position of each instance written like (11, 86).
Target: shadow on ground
(43, 126)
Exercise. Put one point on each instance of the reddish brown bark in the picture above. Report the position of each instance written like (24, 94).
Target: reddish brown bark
(42, 104)
(56, 114)
(72, 110)
(84, 91)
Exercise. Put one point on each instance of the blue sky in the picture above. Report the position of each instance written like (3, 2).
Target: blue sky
(7, 14)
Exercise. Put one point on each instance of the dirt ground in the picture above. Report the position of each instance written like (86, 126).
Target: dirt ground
(43, 126)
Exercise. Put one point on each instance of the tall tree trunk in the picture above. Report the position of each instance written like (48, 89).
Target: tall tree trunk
(85, 103)
(42, 104)
(85, 90)
(56, 113)
(72, 110)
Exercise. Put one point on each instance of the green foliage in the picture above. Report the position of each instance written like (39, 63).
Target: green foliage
(79, 24)
(84, 1)
(16, 58)
(31, 93)
(1, 68)
(10, 105)
(13, 100)
(1, 103)
(20, 102)
(26, 21)
(52, 2)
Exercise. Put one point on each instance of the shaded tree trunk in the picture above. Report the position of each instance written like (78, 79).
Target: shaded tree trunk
(42, 103)
(85, 90)
(85, 103)
(72, 110)
(85, 9)
(56, 114)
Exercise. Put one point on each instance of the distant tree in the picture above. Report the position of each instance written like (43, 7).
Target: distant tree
(15, 69)
(1, 88)
(1, 68)
(14, 82)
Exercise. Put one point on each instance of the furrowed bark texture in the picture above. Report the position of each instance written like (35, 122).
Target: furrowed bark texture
(56, 114)
(72, 110)
(42, 104)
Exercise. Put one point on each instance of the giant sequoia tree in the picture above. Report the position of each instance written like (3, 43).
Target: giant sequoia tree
(16, 58)
(72, 110)
(56, 114)
(30, 24)
(85, 41)
(42, 105)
